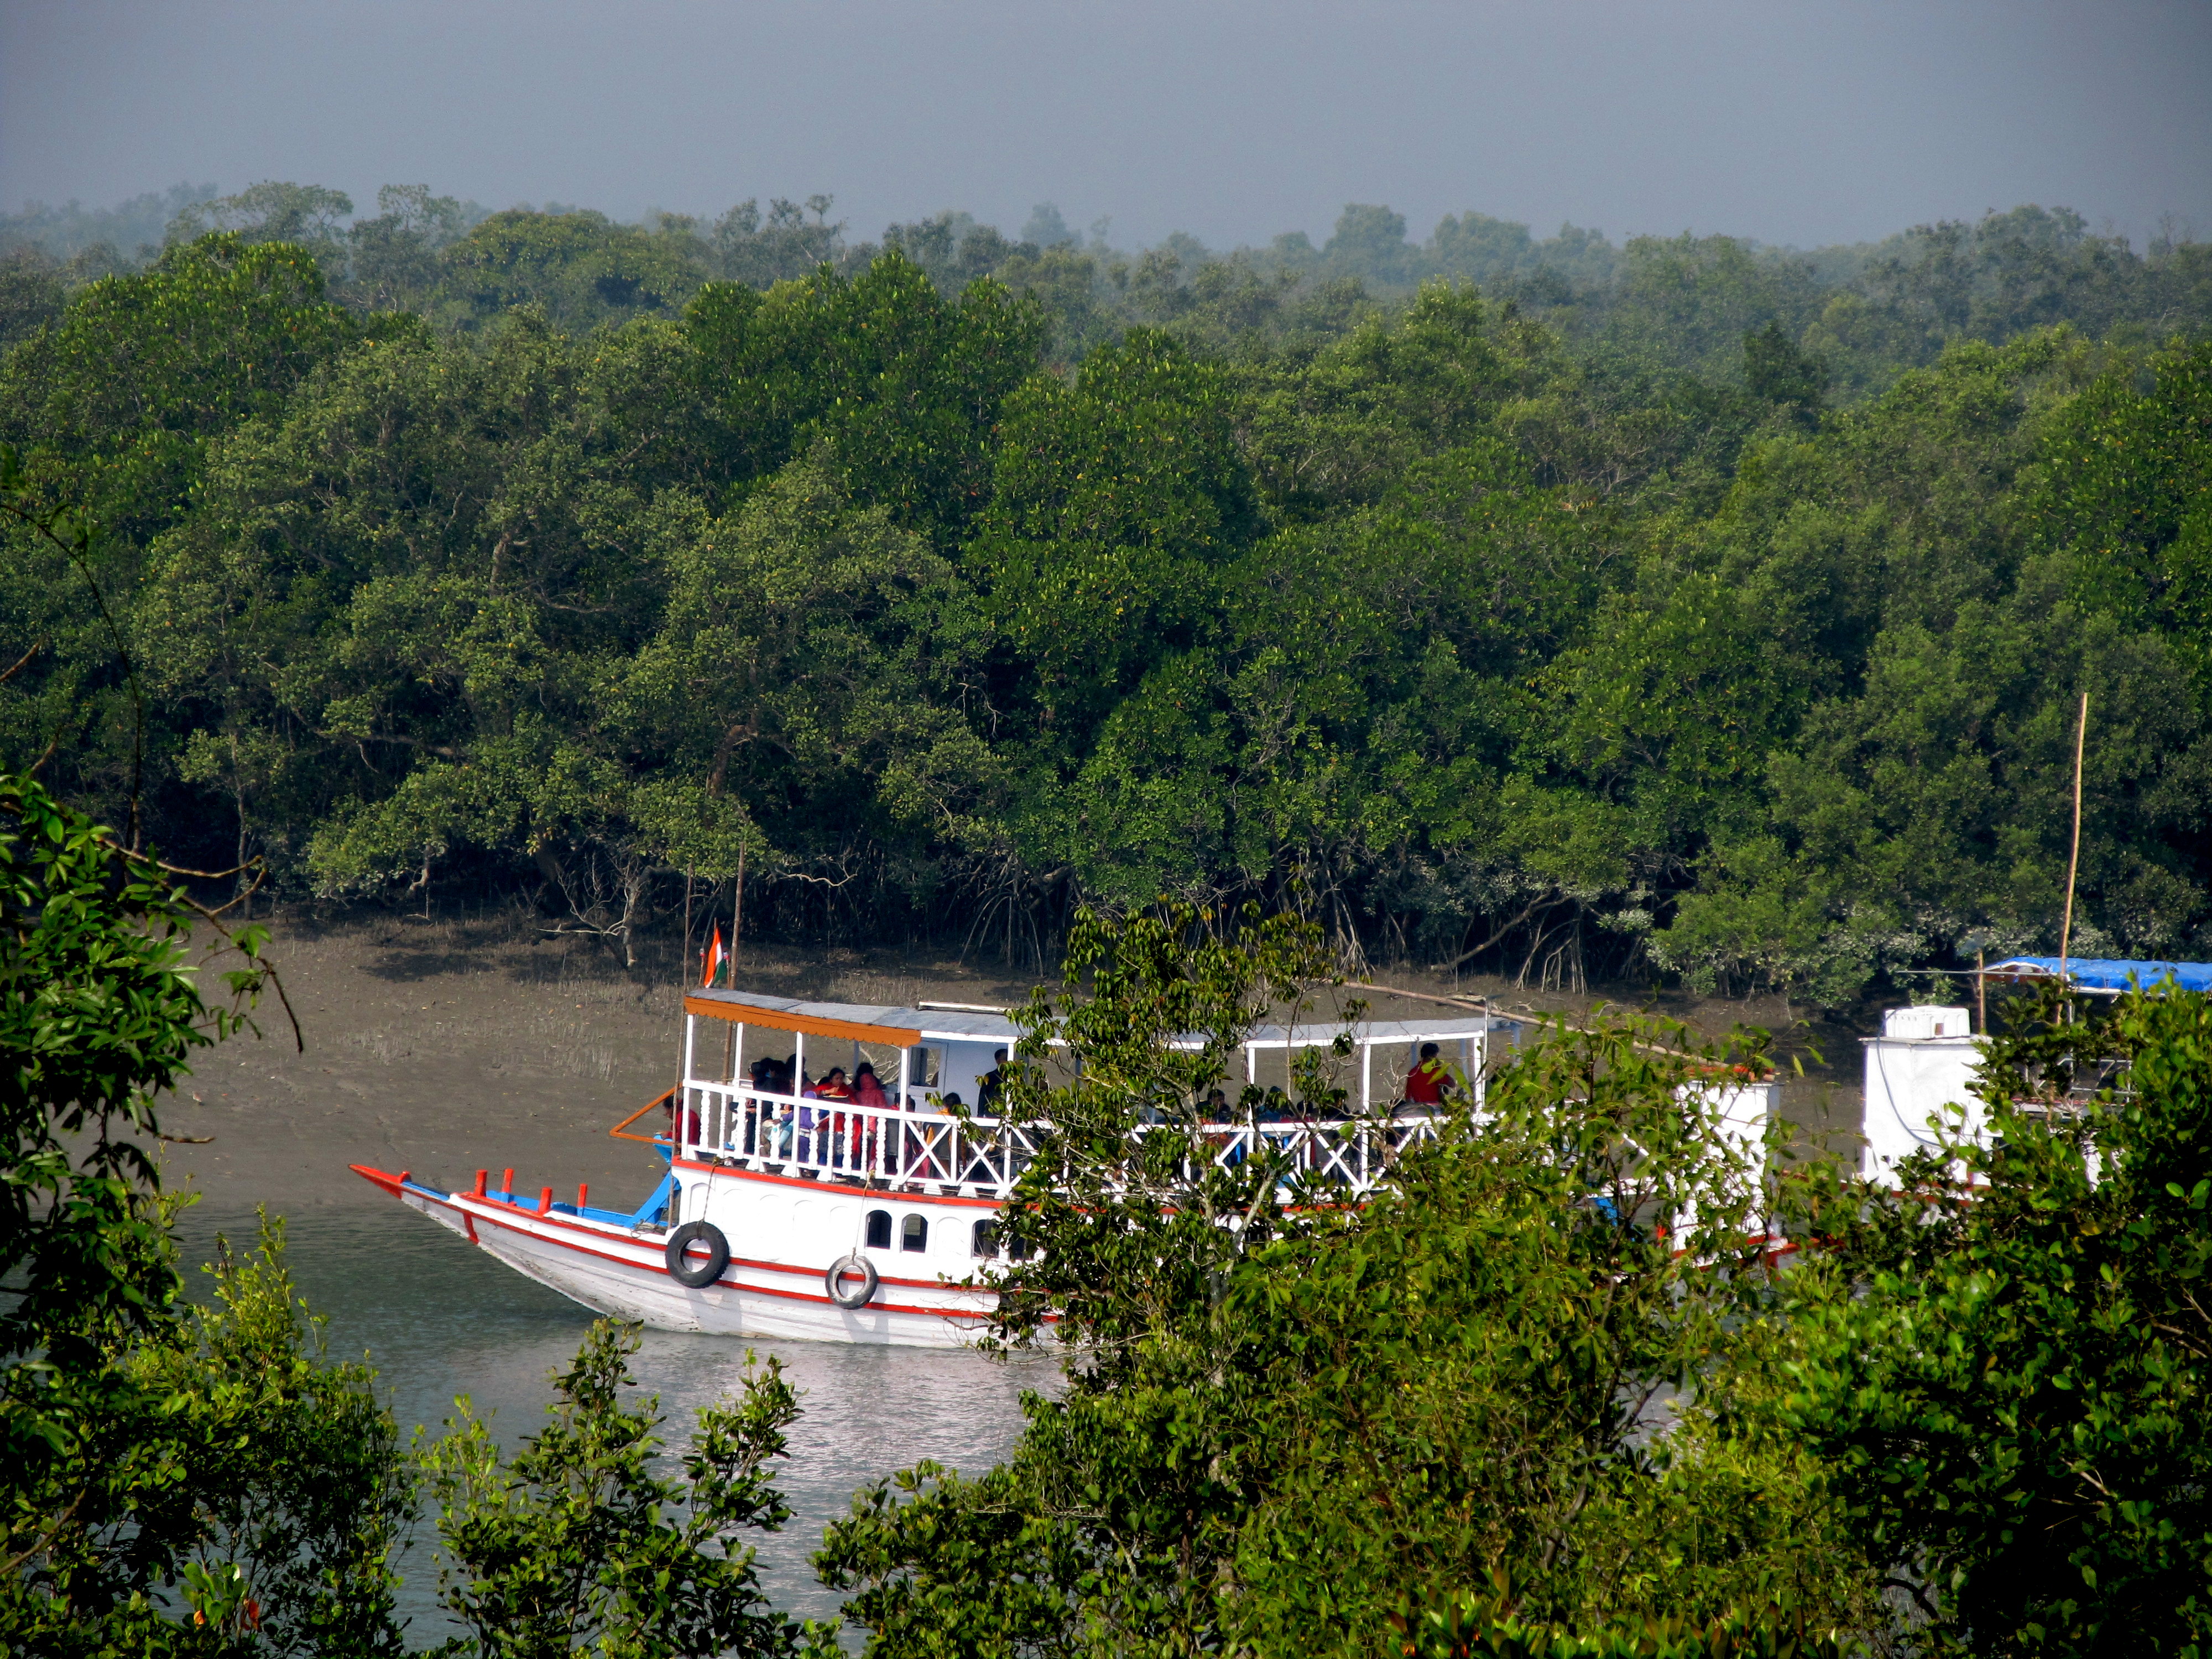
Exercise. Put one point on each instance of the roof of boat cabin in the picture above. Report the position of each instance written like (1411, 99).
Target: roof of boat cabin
(2107, 973)
(1384, 1030)
(869, 1023)
(907, 1026)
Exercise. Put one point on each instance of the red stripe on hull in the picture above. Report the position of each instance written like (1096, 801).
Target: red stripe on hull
(538, 1226)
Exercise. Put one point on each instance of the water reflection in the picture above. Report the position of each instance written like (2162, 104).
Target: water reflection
(437, 1319)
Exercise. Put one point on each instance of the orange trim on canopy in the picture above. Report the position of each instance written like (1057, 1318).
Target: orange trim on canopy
(739, 1014)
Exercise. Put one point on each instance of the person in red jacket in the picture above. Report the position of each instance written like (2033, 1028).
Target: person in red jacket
(1428, 1083)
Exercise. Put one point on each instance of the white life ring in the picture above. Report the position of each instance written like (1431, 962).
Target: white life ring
(832, 1281)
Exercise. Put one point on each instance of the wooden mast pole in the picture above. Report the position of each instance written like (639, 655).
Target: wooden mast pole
(736, 912)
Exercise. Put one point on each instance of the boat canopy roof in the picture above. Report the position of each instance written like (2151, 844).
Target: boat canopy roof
(2108, 973)
(907, 1026)
(1380, 1032)
(868, 1023)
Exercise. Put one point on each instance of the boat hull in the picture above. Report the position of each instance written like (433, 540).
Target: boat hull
(783, 1236)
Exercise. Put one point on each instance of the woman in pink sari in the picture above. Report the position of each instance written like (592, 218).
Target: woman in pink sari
(867, 1091)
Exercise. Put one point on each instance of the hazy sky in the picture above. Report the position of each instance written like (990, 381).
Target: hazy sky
(1798, 124)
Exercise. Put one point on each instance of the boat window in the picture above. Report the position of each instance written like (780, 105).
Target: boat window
(986, 1242)
(1019, 1249)
(915, 1234)
(879, 1229)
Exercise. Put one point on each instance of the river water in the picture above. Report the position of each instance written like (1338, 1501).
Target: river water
(438, 1318)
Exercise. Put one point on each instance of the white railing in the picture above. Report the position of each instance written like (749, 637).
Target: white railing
(916, 1149)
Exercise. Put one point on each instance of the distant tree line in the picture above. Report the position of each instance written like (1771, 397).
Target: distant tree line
(1531, 606)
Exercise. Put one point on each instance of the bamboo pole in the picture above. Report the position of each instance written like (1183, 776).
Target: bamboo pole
(1471, 1001)
(2074, 857)
(736, 912)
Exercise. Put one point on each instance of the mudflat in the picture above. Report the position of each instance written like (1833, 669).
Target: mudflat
(446, 1045)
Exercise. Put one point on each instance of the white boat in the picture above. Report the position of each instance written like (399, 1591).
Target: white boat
(784, 1214)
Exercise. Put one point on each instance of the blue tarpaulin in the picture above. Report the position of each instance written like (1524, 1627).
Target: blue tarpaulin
(2100, 974)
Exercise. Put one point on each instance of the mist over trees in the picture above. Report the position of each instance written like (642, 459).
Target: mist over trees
(1537, 605)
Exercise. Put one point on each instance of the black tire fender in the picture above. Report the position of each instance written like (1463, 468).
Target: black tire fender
(683, 1268)
(834, 1282)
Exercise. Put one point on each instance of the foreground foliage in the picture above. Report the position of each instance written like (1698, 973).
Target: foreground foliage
(576, 1544)
(204, 1480)
(2007, 1382)
(1292, 1428)
(175, 1481)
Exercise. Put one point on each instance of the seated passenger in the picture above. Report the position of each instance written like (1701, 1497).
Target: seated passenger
(867, 1090)
(833, 1086)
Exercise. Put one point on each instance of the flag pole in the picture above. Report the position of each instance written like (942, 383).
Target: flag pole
(2074, 857)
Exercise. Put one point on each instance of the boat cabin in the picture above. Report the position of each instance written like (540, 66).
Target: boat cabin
(777, 1085)
(1925, 1062)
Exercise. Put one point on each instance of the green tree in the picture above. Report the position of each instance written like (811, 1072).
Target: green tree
(31, 294)
(274, 211)
(803, 669)
(2127, 489)
(1118, 499)
(576, 1544)
(903, 386)
(394, 256)
(580, 267)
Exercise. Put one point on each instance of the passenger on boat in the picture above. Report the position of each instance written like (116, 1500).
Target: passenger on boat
(767, 1076)
(690, 1131)
(992, 1086)
(920, 1160)
(829, 1126)
(1428, 1084)
(867, 1088)
(1275, 1107)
